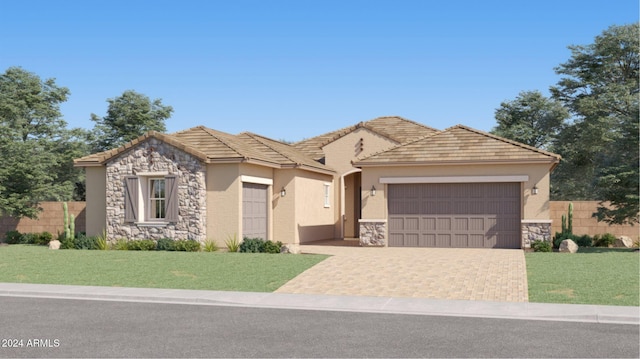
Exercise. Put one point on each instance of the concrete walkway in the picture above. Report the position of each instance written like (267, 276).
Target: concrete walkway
(412, 306)
(497, 275)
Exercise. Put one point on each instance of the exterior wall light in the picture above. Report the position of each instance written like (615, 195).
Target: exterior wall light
(534, 190)
(283, 192)
(373, 191)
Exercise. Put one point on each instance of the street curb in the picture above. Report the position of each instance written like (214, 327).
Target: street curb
(381, 305)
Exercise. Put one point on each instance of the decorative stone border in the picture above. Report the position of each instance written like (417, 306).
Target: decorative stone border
(535, 230)
(373, 232)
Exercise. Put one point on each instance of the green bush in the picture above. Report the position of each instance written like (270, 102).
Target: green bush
(141, 245)
(165, 244)
(13, 237)
(30, 238)
(252, 245)
(188, 245)
(121, 244)
(67, 243)
(562, 236)
(83, 242)
(541, 246)
(605, 240)
(44, 238)
(584, 241)
(272, 247)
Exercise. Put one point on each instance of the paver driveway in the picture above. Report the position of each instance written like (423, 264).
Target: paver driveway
(442, 273)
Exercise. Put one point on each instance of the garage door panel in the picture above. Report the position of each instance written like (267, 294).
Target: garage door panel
(254, 210)
(456, 215)
(396, 240)
(411, 239)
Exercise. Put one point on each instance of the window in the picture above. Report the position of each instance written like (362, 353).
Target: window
(157, 198)
(327, 195)
(151, 198)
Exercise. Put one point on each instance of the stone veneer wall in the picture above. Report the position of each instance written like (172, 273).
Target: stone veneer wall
(373, 232)
(535, 230)
(156, 156)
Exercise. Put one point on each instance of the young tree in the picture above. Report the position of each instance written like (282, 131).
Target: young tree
(600, 147)
(33, 143)
(129, 116)
(531, 119)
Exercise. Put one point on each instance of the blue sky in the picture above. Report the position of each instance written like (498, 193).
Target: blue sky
(296, 69)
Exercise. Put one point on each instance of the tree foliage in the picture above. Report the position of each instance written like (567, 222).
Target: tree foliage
(531, 119)
(36, 149)
(129, 116)
(600, 147)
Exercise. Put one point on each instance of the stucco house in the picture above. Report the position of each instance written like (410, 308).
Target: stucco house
(388, 181)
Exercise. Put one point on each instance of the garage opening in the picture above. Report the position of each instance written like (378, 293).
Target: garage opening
(455, 215)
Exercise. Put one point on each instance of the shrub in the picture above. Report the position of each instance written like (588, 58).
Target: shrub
(584, 241)
(101, 241)
(210, 246)
(45, 238)
(67, 243)
(605, 240)
(272, 247)
(84, 242)
(30, 238)
(13, 237)
(165, 244)
(562, 236)
(188, 245)
(252, 245)
(232, 243)
(141, 245)
(541, 246)
(120, 244)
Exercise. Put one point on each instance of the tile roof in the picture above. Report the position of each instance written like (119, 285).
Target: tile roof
(213, 146)
(459, 144)
(395, 128)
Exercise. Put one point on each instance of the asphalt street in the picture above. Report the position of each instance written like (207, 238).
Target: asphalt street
(39, 327)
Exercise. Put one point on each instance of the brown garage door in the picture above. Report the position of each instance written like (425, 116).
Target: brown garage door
(254, 210)
(477, 215)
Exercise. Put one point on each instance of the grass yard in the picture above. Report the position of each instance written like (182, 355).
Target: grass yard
(255, 272)
(606, 276)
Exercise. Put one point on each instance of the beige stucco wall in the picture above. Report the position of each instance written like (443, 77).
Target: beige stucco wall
(340, 153)
(284, 211)
(533, 206)
(96, 199)
(223, 202)
(313, 221)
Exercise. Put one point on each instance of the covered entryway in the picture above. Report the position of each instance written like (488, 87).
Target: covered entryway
(476, 215)
(254, 210)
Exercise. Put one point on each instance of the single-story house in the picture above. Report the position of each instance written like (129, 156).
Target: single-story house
(388, 181)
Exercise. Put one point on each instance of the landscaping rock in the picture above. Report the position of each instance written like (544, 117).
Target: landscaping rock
(568, 246)
(290, 248)
(54, 244)
(623, 242)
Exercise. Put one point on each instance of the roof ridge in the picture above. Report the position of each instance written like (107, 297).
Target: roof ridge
(261, 140)
(506, 140)
(211, 133)
(407, 120)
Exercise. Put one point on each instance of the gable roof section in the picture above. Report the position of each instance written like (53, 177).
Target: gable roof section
(397, 129)
(211, 146)
(457, 145)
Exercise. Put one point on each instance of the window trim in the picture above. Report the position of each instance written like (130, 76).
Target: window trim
(149, 200)
(326, 194)
(140, 199)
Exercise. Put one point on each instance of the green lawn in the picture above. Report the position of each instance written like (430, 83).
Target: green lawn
(591, 276)
(180, 270)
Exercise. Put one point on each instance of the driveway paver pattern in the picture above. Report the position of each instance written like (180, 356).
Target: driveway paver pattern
(441, 273)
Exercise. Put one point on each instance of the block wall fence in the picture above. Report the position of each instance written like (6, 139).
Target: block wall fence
(51, 219)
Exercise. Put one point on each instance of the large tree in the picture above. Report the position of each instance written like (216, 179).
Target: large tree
(600, 146)
(531, 118)
(129, 116)
(36, 149)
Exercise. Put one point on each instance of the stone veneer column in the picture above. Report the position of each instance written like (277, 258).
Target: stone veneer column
(373, 232)
(535, 230)
(156, 156)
